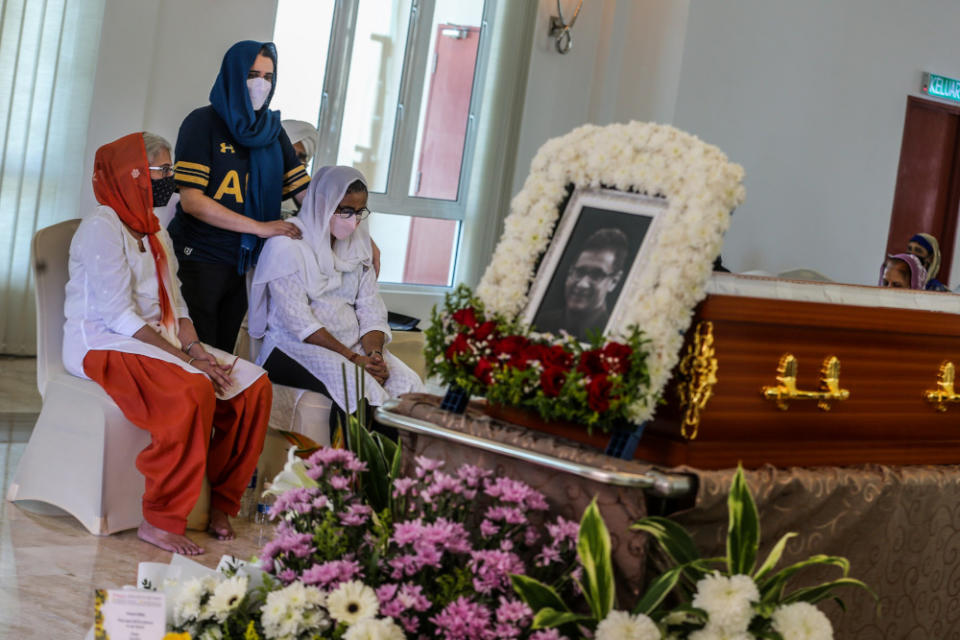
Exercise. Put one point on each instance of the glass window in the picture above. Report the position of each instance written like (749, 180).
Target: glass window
(415, 250)
(376, 68)
(302, 44)
(445, 100)
(393, 94)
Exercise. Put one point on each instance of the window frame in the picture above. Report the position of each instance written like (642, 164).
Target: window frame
(396, 199)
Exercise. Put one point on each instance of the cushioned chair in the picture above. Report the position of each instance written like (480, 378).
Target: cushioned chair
(82, 451)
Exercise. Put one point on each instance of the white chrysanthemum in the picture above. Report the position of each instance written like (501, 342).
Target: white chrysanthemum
(227, 596)
(802, 621)
(292, 610)
(620, 625)
(727, 601)
(352, 601)
(186, 605)
(211, 633)
(374, 629)
(719, 633)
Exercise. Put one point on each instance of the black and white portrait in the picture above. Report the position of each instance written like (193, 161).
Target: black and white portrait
(583, 274)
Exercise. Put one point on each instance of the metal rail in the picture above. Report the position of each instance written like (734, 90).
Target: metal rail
(655, 482)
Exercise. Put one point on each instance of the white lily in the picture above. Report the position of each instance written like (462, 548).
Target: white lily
(293, 476)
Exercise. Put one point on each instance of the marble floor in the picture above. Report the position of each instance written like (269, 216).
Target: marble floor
(50, 565)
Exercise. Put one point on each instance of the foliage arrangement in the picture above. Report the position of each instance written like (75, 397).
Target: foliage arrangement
(461, 556)
(697, 598)
(437, 559)
(599, 385)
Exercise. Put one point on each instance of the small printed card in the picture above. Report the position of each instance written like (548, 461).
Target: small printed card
(128, 614)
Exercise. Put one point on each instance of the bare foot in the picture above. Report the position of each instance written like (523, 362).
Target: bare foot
(219, 526)
(168, 541)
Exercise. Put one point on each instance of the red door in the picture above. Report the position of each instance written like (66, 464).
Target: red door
(430, 243)
(928, 180)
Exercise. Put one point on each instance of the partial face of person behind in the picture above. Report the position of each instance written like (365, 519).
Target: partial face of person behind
(301, 152)
(896, 274)
(921, 252)
(161, 159)
(590, 280)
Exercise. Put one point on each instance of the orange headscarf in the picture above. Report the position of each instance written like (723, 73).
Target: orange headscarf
(121, 181)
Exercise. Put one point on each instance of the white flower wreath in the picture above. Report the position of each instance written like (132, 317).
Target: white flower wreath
(701, 186)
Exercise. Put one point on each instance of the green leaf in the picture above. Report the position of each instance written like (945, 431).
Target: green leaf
(536, 594)
(813, 595)
(672, 538)
(743, 534)
(771, 589)
(658, 590)
(395, 460)
(594, 549)
(546, 618)
(375, 480)
(774, 557)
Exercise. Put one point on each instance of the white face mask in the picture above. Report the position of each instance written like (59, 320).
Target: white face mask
(259, 90)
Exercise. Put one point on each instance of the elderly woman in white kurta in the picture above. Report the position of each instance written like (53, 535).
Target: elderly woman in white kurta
(315, 303)
(127, 329)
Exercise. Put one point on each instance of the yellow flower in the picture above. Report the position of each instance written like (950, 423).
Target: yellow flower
(251, 633)
(177, 636)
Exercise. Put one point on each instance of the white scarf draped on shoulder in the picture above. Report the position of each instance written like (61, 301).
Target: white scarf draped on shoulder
(319, 263)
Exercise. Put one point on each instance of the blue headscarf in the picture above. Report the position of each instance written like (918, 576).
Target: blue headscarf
(259, 132)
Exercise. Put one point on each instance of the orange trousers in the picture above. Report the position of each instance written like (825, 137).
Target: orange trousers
(181, 410)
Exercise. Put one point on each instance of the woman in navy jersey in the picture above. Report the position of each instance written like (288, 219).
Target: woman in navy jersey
(234, 166)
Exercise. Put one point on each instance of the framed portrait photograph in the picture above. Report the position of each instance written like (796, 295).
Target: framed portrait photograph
(597, 248)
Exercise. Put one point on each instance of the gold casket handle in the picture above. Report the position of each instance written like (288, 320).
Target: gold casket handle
(698, 370)
(786, 389)
(944, 393)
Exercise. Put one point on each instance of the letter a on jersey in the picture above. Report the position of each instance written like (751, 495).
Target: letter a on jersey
(231, 185)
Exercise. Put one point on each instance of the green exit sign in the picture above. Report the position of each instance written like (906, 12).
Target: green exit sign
(941, 87)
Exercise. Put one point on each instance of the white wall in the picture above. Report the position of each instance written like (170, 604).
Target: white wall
(810, 98)
(624, 65)
(158, 61)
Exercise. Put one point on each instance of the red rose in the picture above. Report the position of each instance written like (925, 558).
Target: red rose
(555, 356)
(467, 317)
(598, 393)
(484, 371)
(551, 381)
(484, 330)
(591, 363)
(524, 355)
(458, 346)
(510, 346)
(618, 356)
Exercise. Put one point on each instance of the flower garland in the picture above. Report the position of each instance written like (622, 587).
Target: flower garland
(701, 187)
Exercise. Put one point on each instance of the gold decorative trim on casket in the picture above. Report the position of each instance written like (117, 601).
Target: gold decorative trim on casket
(786, 389)
(699, 370)
(945, 392)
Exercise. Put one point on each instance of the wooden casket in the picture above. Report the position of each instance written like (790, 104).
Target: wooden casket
(891, 349)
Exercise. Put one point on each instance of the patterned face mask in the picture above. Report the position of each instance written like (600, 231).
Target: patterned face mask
(162, 190)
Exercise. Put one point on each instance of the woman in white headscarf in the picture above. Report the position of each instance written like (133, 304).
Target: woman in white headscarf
(315, 303)
(304, 137)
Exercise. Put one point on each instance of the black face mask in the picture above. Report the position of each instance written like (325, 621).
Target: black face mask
(162, 190)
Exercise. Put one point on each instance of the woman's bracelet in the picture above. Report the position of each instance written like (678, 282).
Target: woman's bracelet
(190, 361)
(190, 346)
